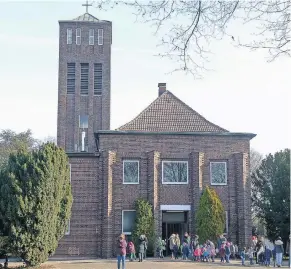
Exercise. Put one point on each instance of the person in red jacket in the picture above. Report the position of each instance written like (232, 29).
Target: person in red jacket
(121, 251)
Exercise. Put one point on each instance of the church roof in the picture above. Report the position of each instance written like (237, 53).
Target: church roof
(169, 114)
(86, 17)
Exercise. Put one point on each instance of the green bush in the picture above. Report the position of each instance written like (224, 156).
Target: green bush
(37, 202)
(210, 216)
(144, 224)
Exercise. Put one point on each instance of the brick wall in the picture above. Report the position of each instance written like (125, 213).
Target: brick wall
(71, 106)
(198, 151)
(85, 225)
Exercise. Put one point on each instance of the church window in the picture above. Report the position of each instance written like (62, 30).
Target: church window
(100, 37)
(91, 36)
(218, 173)
(128, 220)
(175, 172)
(78, 36)
(84, 78)
(83, 121)
(68, 228)
(130, 172)
(71, 72)
(69, 36)
(98, 79)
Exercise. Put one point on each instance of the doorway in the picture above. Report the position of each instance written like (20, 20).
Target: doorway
(174, 222)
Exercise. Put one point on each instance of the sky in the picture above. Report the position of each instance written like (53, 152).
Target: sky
(243, 93)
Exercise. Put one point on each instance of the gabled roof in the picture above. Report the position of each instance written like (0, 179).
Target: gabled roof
(169, 114)
(86, 17)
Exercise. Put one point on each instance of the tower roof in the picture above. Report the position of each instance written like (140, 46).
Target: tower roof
(86, 17)
(169, 114)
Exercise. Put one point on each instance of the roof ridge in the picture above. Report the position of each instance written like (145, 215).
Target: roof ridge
(143, 111)
(179, 117)
(197, 113)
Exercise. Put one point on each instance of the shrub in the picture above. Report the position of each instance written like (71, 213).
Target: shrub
(144, 224)
(210, 216)
(37, 202)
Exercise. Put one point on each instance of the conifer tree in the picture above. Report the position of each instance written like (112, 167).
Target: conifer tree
(144, 223)
(210, 216)
(35, 201)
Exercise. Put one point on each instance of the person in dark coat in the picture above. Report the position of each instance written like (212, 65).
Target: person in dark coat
(268, 255)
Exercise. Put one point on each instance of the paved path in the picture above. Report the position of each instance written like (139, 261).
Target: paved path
(148, 264)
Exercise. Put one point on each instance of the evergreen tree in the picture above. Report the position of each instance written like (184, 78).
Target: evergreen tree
(35, 201)
(144, 223)
(210, 217)
(271, 183)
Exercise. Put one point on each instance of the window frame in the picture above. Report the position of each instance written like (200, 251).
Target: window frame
(122, 216)
(100, 37)
(69, 30)
(78, 36)
(68, 228)
(210, 168)
(175, 183)
(130, 161)
(91, 37)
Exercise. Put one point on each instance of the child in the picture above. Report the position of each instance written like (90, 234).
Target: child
(197, 254)
(175, 250)
(251, 255)
(185, 251)
(274, 256)
(131, 251)
(243, 256)
(222, 253)
(268, 254)
(227, 252)
(205, 254)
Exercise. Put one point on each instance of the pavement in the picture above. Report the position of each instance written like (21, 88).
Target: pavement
(150, 263)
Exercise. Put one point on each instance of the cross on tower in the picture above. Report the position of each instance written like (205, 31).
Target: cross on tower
(86, 5)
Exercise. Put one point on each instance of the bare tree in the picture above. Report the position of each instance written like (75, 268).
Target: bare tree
(191, 25)
(255, 160)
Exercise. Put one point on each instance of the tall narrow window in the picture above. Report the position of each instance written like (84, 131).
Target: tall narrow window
(68, 228)
(78, 36)
(97, 79)
(100, 36)
(84, 78)
(71, 72)
(69, 36)
(91, 37)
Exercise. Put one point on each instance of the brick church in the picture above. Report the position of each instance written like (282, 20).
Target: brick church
(167, 154)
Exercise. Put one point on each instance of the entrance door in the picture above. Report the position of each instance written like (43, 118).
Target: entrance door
(173, 222)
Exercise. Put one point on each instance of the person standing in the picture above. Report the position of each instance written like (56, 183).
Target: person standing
(121, 251)
(243, 256)
(142, 244)
(172, 241)
(279, 249)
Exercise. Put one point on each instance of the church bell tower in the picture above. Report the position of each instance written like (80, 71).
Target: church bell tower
(84, 81)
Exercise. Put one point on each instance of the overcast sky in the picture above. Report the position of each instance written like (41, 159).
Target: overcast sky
(244, 93)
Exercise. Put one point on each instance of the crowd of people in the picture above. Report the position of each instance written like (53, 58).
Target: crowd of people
(189, 248)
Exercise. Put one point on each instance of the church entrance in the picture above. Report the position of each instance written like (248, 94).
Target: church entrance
(174, 222)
